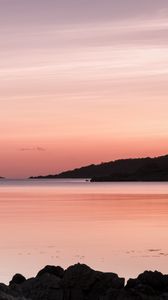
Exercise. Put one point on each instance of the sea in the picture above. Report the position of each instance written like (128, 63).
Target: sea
(112, 227)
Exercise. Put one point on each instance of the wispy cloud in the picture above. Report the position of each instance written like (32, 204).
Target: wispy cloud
(32, 149)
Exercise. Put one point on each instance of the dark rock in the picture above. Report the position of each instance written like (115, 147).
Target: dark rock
(47, 287)
(85, 277)
(155, 280)
(57, 271)
(17, 279)
(85, 282)
(133, 295)
(131, 283)
(149, 285)
(80, 282)
(80, 275)
(4, 288)
(164, 296)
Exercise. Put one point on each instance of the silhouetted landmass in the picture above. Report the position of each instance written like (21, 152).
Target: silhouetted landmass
(133, 169)
(150, 171)
(2, 177)
(79, 282)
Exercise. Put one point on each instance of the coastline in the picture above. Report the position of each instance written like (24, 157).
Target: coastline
(80, 282)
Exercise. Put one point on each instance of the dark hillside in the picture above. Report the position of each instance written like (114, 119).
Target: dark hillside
(123, 169)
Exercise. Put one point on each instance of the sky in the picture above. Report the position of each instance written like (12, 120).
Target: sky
(81, 82)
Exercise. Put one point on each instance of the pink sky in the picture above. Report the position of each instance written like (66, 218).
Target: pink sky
(81, 83)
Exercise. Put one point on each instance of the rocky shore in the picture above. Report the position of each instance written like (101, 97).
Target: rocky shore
(79, 282)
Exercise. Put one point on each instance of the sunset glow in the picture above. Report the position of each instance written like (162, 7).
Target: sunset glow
(80, 85)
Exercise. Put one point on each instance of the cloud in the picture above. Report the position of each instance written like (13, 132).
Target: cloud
(32, 149)
(40, 149)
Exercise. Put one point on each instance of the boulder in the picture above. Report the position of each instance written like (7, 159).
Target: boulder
(154, 280)
(80, 282)
(57, 271)
(44, 287)
(84, 283)
(17, 279)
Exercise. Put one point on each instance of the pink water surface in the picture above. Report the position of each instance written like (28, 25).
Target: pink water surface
(119, 227)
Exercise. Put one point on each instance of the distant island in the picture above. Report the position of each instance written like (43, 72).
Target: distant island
(132, 169)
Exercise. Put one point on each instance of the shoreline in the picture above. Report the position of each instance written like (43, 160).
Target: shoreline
(80, 282)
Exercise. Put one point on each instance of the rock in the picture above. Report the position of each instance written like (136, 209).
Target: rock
(17, 279)
(57, 271)
(164, 296)
(5, 296)
(46, 286)
(156, 280)
(4, 288)
(10, 292)
(133, 295)
(80, 275)
(80, 282)
(152, 279)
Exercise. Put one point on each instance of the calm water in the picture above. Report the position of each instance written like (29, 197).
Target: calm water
(119, 227)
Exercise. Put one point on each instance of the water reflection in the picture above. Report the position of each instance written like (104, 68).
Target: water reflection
(120, 227)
